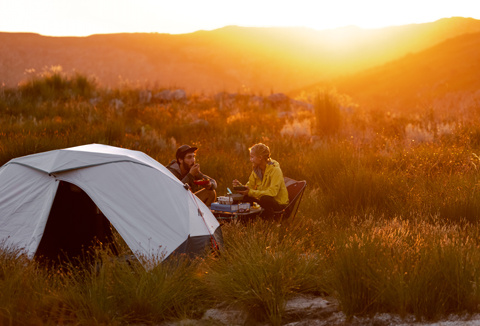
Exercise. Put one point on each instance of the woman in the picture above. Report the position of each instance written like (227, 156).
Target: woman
(265, 184)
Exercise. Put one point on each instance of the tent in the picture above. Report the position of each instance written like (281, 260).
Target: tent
(60, 200)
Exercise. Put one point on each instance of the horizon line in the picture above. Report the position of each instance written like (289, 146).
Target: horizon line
(238, 26)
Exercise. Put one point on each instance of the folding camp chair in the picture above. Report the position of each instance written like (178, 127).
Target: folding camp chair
(295, 192)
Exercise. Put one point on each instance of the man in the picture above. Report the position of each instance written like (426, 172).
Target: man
(188, 171)
(265, 184)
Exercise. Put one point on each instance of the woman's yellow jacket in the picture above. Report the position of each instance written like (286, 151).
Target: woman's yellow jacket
(271, 184)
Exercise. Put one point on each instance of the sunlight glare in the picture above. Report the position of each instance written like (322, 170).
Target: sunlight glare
(65, 18)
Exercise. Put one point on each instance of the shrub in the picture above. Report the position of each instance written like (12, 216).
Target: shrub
(53, 84)
(327, 114)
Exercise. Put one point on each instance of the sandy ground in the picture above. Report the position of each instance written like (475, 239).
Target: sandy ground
(317, 311)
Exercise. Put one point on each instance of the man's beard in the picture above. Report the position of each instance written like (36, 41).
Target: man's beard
(187, 167)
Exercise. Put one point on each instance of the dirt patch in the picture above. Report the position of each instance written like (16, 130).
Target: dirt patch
(317, 311)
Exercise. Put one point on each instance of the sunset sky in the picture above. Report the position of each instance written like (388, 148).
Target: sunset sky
(86, 17)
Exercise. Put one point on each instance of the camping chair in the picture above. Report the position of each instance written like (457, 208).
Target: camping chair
(295, 192)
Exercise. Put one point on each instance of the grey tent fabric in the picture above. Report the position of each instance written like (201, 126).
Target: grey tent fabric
(148, 206)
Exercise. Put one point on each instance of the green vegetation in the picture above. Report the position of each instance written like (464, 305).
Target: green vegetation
(389, 221)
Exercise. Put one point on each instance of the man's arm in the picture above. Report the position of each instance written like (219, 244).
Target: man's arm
(212, 181)
(189, 179)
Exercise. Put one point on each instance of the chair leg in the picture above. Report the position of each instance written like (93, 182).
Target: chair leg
(278, 216)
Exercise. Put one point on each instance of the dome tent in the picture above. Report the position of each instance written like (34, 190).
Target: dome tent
(148, 206)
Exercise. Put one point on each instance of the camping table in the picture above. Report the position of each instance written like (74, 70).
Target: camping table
(243, 216)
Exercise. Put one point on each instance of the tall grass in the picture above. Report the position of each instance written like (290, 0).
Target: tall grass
(27, 293)
(114, 291)
(262, 267)
(388, 223)
(399, 267)
(105, 291)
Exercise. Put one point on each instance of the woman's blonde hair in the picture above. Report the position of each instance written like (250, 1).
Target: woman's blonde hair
(260, 150)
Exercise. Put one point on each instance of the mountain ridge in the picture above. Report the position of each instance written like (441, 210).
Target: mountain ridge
(446, 70)
(227, 59)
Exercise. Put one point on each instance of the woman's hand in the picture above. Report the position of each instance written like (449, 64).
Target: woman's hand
(237, 183)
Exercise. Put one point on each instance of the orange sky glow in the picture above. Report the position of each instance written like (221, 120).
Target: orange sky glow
(81, 18)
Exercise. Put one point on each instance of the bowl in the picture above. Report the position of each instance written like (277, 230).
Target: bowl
(236, 197)
(239, 188)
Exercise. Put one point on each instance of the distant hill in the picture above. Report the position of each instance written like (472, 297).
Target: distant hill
(227, 59)
(450, 69)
